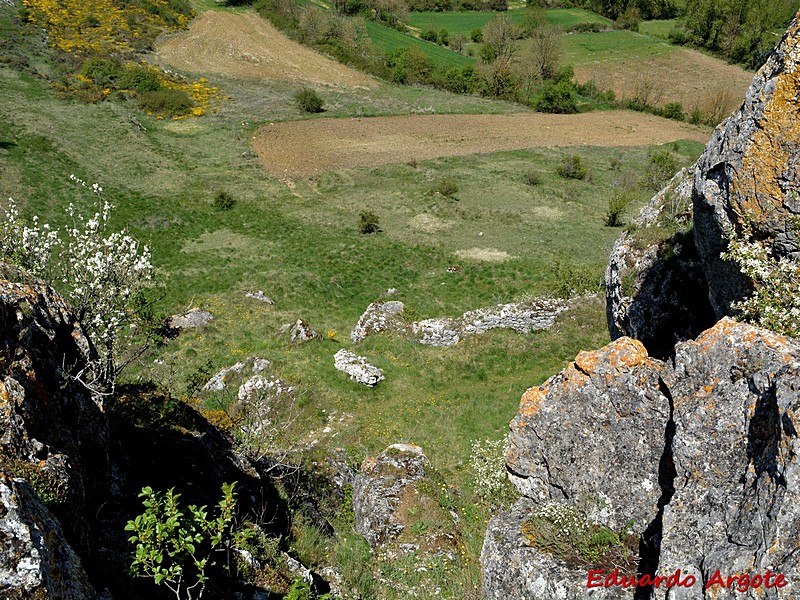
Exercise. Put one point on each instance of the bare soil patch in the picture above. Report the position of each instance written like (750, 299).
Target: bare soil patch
(307, 148)
(692, 78)
(245, 45)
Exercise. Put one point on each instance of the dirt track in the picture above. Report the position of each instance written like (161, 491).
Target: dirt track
(245, 45)
(306, 148)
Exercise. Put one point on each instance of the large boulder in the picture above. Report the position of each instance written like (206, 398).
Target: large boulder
(736, 505)
(698, 457)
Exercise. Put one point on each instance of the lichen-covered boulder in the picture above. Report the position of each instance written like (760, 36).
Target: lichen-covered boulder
(302, 332)
(595, 432)
(522, 317)
(379, 488)
(194, 318)
(439, 333)
(747, 176)
(736, 504)
(36, 561)
(379, 317)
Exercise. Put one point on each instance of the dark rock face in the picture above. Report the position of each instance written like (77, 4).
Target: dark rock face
(748, 173)
(702, 454)
(656, 291)
(53, 427)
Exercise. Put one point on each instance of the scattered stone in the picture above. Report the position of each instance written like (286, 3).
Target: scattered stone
(221, 379)
(194, 318)
(378, 318)
(301, 332)
(357, 368)
(378, 489)
(260, 296)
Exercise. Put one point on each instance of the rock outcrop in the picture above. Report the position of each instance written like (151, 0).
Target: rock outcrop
(745, 182)
(698, 457)
(379, 489)
(194, 318)
(379, 317)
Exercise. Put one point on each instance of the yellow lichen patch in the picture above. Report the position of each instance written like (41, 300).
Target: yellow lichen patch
(532, 400)
(619, 354)
(765, 160)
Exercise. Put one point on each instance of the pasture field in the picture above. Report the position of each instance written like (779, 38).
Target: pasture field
(389, 39)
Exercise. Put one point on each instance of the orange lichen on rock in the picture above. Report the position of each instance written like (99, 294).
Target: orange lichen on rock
(624, 353)
(766, 159)
(532, 400)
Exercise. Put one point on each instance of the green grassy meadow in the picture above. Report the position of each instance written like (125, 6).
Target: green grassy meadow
(300, 245)
(389, 39)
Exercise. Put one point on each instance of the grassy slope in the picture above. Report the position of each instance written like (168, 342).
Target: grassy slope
(463, 23)
(301, 247)
(390, 39)
(612, 46)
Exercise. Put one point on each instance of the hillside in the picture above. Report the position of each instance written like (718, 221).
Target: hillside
(480, 277)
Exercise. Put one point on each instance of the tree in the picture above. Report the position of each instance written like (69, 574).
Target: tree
(500, 36)
(103, 273)
(175, 547)
(545, 50)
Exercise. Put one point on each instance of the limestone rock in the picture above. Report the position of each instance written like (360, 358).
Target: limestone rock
(194, 318)
(606, 413)
(379, 488)
(223, 377)
(655, 288)
(747, 175)
(513, 570)
(35, 559)
(301, 332)
(357, 368)
(378, 318)
(736, 505)
(260, 296)
(437, 332)
(522, 317)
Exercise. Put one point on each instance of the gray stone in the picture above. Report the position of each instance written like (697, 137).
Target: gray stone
(379, 488)
(260, 296)
(301, 332)
(194, 318)
(357, 368)
(379, 317)
(524, 317)
(35, 559)
(437, 332)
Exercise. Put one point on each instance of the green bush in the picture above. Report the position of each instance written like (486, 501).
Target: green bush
(443, 38)
(165, 102)
(430, 35)
(572, 167)
(223, 201)
(616, 207)
(673, 110)
(447, 188)
(368, 222)
(138, 78)
(476, 36)
(660, 169)
(532, 178)
(102, 71)
(557, 98)
(307, 100)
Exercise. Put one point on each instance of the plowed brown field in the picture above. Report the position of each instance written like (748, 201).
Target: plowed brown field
(245, 45)
(306, 148)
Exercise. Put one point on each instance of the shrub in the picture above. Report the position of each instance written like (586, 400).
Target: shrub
(532, 178)
(308, 101)
(443, 38)
(368, 222)
(460, 80)
(673, 110)
(223, 201)
(476, 36)
(557, 98)
(447, 188)
(660, 169)
(678, 36)
(430, 35)
(166, 102)
(616, 207)
(488, 464)
(138, 78)
(572, 167)
(696, 117)
(175, 546)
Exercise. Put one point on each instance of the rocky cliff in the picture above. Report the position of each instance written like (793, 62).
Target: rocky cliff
(667, 466)
(665, 280)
